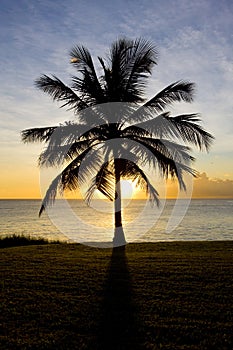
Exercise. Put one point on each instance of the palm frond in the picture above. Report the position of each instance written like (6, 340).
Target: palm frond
(157, 126)
(81, 59)
(58, 155)
(131, 170)
(68, 141)
(190, 131)
(50, 194)
(104, 182)
(69, 179)
(166, 165)
(60, 142)
(115, 74)
(83, 168)
(125, 76)
(141, 58)
(89, 85)
(37, 134)
(185, 127)
(60, 92)
(175, 92)
(179, 153)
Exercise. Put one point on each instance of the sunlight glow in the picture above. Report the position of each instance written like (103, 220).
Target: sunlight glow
(128, 188)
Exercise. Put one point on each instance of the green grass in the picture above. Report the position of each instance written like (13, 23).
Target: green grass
(148, 296)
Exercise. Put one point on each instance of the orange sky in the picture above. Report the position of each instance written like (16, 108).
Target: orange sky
(41, 44)
(25, 183)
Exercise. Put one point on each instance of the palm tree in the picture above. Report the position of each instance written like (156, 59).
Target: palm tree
(116, 132)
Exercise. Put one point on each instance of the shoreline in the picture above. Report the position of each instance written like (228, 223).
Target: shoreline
(14, 240)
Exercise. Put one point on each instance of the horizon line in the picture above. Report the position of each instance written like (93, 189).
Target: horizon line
(36, 198)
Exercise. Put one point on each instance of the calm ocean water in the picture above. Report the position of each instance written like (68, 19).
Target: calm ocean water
(206, 219)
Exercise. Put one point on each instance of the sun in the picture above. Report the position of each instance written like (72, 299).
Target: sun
(128, 188)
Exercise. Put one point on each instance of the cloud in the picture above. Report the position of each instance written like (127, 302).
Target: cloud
(208, 187)
(205, 187)
(195, 44)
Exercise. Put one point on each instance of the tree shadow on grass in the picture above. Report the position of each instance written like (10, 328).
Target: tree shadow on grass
(118, 327)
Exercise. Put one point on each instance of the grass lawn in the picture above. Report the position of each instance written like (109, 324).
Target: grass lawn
(146, 296)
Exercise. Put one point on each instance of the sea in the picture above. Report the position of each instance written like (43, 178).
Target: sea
(75, 221)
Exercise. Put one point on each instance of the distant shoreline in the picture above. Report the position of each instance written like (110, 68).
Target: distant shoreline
(9, 241)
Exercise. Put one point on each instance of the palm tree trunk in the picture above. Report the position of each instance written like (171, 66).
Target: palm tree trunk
(119, 237)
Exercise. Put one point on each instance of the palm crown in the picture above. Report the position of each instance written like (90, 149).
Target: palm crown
(116, 132)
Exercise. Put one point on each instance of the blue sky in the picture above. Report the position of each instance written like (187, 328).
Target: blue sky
(194, 39)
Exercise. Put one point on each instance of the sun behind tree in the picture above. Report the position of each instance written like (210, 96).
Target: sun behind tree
(116, 132)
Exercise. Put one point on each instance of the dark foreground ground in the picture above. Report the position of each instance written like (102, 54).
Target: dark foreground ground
(146, 296)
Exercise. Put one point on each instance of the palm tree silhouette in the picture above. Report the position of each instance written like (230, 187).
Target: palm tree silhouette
(116, 132)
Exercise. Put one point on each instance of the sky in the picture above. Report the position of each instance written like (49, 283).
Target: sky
(194, 40)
